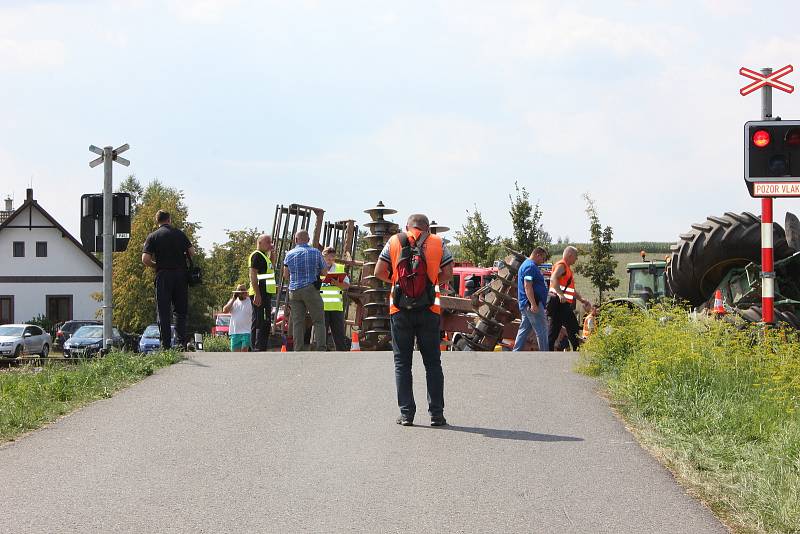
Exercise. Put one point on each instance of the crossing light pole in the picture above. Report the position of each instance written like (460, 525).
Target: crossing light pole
(108, 155)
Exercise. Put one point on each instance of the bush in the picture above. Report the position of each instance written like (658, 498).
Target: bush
(216, 344)
(42, 322)
(721, 397)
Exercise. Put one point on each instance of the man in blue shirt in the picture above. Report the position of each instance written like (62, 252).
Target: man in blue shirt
(304, 265)
(532, 295)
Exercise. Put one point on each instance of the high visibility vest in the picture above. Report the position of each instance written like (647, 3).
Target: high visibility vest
(269, 276)
(566, 282)
(332, 299)
(433, 251)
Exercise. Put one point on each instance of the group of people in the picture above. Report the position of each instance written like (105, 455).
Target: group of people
(415, 263)
(545, 309)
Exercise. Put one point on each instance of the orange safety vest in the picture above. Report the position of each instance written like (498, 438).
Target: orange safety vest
(566, 282)
(433, 250)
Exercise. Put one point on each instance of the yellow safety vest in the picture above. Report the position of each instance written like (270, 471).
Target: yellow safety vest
(269, 276)
(332, 295)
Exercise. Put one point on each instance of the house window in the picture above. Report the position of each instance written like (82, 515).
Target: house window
(41, 249)
(59, 308)
(19, 249)
(6, 309)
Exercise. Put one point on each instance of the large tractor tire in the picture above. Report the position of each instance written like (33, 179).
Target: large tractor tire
(753, 315)
(704, 255)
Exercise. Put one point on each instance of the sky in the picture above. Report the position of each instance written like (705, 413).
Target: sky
(430, 106)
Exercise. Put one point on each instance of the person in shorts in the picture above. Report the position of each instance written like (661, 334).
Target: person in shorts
(241, 319)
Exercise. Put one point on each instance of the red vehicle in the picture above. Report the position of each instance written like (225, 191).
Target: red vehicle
(222, 323)
(467, 278)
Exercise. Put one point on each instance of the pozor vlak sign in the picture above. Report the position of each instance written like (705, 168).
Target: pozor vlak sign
(772, 158)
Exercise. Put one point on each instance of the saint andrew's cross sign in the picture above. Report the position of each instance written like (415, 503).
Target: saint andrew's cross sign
(763, 80)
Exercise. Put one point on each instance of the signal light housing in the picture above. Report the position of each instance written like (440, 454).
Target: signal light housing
(771, 153)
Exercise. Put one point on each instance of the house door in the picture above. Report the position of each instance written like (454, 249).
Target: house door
(59, 308)
(6, 309)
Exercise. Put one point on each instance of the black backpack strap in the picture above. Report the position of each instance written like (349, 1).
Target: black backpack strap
(403, 237)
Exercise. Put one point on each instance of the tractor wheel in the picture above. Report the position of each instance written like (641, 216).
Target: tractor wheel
(704, 255)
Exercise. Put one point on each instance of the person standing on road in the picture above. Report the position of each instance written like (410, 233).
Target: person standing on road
(333, 299)
(561, 300)
(415, 262)
(262, 287)
(241, 311)
(166, 250)
(304, 265)
(532, 295)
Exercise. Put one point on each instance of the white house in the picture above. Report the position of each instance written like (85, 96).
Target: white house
(43, 269)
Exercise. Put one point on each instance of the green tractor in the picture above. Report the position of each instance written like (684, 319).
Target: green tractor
(646, 283)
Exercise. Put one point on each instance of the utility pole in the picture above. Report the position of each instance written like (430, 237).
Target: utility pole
(108, 155)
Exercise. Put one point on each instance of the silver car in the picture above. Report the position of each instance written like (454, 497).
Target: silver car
(19, 340)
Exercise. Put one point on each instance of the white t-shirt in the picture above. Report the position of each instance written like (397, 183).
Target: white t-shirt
(241, 316)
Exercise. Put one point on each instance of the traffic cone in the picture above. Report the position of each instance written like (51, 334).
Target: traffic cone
(445, 343)
(355, 347)
(719, 307)
(283, 346)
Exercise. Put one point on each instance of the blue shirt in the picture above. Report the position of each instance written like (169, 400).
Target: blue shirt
(530, 272)
(305, 264)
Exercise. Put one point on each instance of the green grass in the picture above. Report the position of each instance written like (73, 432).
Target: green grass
(718, 403)
(31, 397)
(216, 344)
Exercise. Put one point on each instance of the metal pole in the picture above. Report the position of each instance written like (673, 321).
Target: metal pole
(108, 245)
(767, 268)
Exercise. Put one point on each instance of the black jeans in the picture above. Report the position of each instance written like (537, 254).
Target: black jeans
(260, 325)
(172, 291)
(422, 326)
(334, 321)
(560, 314)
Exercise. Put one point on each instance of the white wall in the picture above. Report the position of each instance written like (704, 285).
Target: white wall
(30, 299)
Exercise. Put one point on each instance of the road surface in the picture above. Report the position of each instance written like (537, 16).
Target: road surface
(307, 442)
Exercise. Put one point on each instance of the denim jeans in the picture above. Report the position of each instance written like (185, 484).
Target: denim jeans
(422, 326)
(531, 321)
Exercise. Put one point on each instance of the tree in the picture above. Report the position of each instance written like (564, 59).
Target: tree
(526, 219)
(473, 238)
(228, 264)
(132, 186)
(600, 266)
(134, 293)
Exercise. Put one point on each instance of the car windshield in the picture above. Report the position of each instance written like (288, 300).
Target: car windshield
(11, 330)
(223, 320)
(91, 332)
(151, 332)
(643, 281)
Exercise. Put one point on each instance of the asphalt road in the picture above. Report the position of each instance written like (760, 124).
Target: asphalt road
(307, 442)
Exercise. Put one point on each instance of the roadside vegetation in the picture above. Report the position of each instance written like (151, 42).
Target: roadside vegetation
(717, 402)
(216, 344)
(31, 397)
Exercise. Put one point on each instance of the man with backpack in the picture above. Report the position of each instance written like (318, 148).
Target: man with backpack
(415, 262)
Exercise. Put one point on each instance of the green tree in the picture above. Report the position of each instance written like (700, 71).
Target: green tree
(474, 240)
(228, 264)
(132, 186)
(600, 265)
(526, 219)
(134, 294)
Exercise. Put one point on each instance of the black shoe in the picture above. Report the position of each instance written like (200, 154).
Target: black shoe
(405, 421)
(438, 420)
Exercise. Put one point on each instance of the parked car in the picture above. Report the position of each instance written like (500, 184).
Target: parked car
(150, 340)
(222, 324)
(87, 341)
(20, 340)
(66, 329)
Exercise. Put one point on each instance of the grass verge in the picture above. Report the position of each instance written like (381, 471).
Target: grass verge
(31, 397)
(716, 402)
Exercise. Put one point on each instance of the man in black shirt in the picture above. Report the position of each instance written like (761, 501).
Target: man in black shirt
(165, 250)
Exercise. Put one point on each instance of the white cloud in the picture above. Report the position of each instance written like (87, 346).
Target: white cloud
(202, 11)
(19, 54)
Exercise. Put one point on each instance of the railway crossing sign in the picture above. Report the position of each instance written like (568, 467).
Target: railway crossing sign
(772, 158)
(764, 80)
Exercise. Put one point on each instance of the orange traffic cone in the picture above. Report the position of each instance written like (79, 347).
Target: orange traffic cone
(719, 307)
(355, 347)
(444, 343)
(283, 347)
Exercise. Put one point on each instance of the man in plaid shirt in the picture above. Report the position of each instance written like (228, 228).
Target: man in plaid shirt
(304, 265)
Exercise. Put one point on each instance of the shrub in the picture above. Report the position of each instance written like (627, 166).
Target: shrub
(721, 396)
(216, 344)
